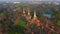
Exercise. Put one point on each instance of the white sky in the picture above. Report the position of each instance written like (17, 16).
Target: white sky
(29, 0)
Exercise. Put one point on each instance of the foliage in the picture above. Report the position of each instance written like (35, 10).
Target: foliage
(7, 22)
(1, 14)
(58, 23)
(41, 17)
(22, 23)
(0, 25)
(15, 32)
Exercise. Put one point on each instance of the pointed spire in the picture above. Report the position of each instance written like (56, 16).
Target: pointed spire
(29, 16)
(23, 10)
(35, 14)
(28, 12)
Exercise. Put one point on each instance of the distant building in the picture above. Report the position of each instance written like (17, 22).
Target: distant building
(16, 2)
(48, 15)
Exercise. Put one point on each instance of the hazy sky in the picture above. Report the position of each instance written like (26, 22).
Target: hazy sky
(29, 0)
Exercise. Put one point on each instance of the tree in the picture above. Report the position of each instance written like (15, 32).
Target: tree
(58, 22)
